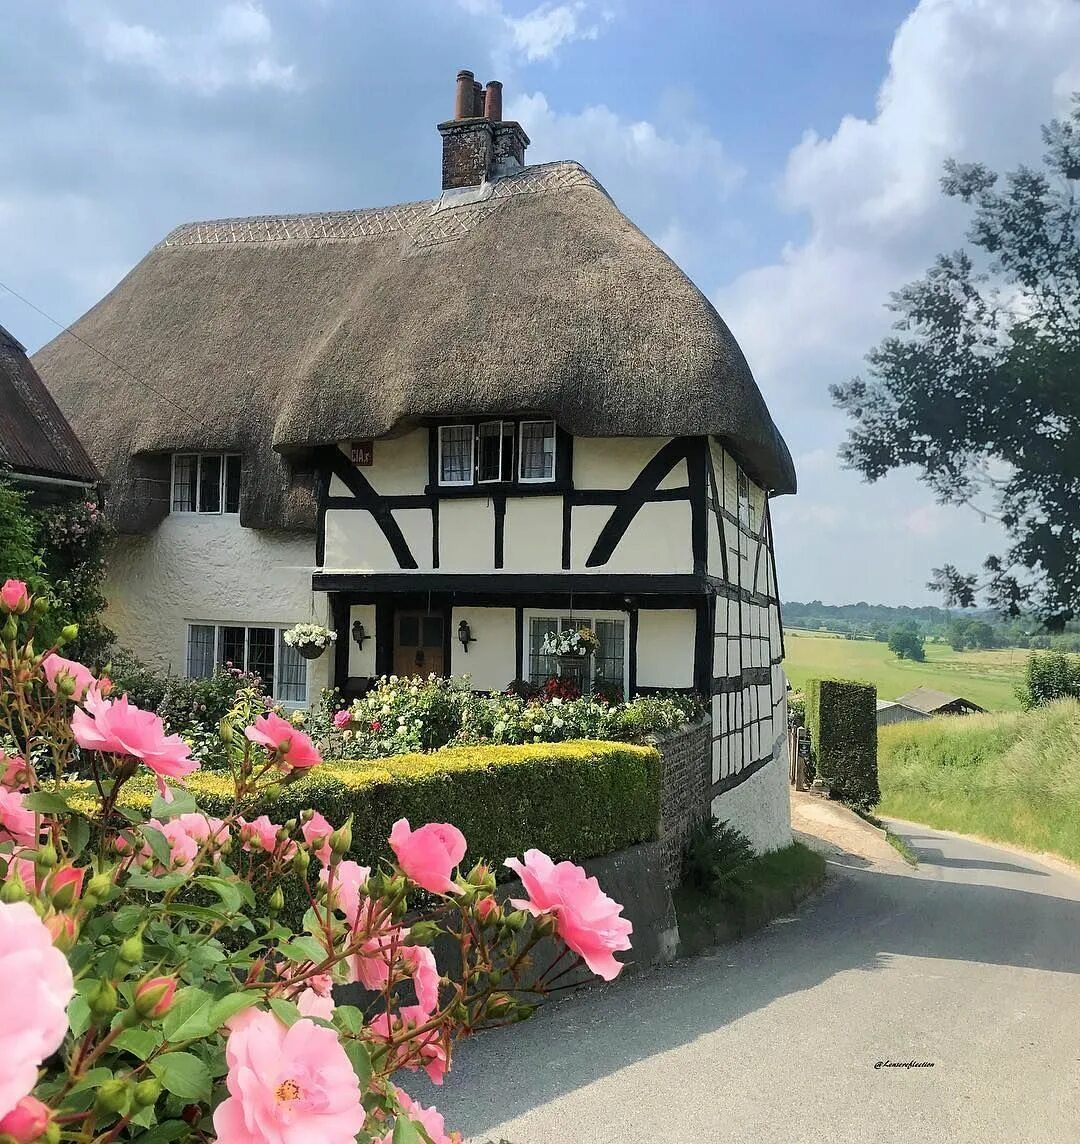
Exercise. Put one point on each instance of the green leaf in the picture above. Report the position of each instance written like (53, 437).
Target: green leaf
(161, 884)
(182, 803)
(159, 846)
(230, 1005)
(189, 1017)
(285, 1010)
(134, 816)
(303, 949)
(46, 802)
(358, 1054)
(78, 834)
(91, 1080)
(165, 1133)
(405, 1132)
(228, 892)
(78, 1016)
(139, 1042)
(348, 1018)
(126, 919)
(183, 1075)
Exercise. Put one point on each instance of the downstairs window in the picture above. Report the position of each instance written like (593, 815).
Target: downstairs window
(258, 649)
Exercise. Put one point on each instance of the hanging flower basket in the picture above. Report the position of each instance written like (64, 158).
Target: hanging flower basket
(310, 640)
(570, 646)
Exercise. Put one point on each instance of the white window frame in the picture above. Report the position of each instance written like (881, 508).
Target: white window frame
(528, 614)
(222, 481)
(247, 625)
(498, 479)
(554, 451)
(471, 479)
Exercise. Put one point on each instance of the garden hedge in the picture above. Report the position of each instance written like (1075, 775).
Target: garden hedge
(842, 717)
(573, 800)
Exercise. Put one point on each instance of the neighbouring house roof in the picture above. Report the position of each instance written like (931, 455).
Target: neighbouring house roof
(35, 439)
(929, 700)
(277, 334)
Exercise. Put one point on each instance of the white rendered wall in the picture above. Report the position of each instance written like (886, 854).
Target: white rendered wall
(209, 568)
(658, 539)
(665, 647)
(532, 534)
(362, 663)
(760, 806)
(613, 462)
(490, 661)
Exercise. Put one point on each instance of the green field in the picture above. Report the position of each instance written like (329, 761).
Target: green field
(1011, 777)
(984, 677)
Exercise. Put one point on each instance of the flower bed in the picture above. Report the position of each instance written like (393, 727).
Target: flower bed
(412, 714)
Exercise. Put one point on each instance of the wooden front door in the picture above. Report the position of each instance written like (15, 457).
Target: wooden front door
(418, 643)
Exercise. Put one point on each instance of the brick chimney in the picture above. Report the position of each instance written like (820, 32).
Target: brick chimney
(478, 145)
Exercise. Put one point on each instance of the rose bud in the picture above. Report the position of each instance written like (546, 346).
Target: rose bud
(485, 907)
(154, 996)
(114, 1096)
(26, 1122)
(131, 950)
(14, 597)
(63, 931)
(146, 1092)
(102, 1000)
(98, 888)
(66, 886)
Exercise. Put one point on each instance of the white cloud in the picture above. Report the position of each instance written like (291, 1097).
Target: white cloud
(235, 49)
(539, 33)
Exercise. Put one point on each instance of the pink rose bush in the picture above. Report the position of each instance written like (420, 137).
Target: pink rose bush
(241, 977)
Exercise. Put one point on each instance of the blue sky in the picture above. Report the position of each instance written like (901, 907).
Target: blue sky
(786, 154)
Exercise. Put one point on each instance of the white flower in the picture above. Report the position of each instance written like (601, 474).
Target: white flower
(401, 719)
(393, 679)
(557, 721)
(556, 702)
(499, 727)
(538, 727)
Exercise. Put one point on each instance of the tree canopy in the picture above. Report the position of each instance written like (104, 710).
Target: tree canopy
(979, 385)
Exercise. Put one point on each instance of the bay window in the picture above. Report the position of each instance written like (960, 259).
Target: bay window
(260, 649)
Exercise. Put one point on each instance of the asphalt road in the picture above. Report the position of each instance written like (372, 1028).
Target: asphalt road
(971, 963)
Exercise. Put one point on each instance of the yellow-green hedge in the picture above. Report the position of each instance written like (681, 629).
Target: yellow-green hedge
(573, 800)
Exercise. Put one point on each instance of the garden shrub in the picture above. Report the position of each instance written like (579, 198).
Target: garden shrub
(842, 717)
(1048, 677)
(572, 800)
(715, 856)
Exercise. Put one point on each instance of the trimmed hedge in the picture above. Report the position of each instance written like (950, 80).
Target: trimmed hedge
(842, 717)
(573, 800)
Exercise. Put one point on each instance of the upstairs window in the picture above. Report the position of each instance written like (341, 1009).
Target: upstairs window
(496, 452)
(455, 454)
(537, 451)
(206, 482)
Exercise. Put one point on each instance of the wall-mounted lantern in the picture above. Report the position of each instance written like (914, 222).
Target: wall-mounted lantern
(465, 635)
(358, 633)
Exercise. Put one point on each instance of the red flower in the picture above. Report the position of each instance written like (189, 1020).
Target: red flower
(376, 725)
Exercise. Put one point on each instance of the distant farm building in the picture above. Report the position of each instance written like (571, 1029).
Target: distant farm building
(932, 702)
(890, 711)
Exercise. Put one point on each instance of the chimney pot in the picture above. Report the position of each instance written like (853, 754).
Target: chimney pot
(463, 95)
(493, 101)
(477, 99)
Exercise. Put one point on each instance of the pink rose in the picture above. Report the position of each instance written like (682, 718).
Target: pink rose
(14, 773)
(316, 832)
(66, 884)
(430, 1119)
(16, 821)
(187, 834)
(342, 719)
(27, 1121)
(350, 878)
(14, 597)
(287, 1084)
(312, 1003)
(376, 725)
(280, 737)
(262, 834)
(57, 669)
(428, 855)
(35, 988)
(420, 962)
(425, 1050)
(118, 727)
(585, 917)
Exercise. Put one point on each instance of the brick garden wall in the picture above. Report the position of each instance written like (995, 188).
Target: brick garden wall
(684, 796)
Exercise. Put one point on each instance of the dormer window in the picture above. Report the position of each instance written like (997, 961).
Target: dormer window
(496, 452)
(206, 482)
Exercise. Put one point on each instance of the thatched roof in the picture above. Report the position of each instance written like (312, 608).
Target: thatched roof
(276, 334)
(35, 439)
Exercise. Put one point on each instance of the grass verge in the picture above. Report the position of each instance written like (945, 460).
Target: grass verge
(894, 840)
(1010, 777)
(768, 886)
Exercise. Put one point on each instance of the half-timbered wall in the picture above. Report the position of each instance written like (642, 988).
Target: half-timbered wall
(749, 687)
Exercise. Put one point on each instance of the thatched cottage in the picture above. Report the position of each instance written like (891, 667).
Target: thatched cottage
(445, 428)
